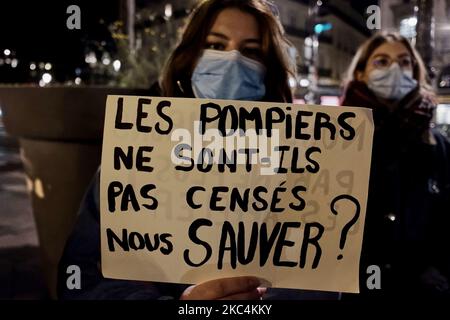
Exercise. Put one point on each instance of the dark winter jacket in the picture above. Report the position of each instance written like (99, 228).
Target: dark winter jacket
(406, 230)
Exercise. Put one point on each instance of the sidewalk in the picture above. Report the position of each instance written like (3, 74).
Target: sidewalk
(20, 273)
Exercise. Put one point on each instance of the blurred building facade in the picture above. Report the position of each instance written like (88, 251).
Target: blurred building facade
(326, 35)
(404, 16)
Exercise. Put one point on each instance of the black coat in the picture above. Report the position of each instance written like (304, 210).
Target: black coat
(409, 199)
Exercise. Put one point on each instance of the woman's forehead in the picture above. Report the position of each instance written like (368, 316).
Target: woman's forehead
(236, 23)
(392, 49)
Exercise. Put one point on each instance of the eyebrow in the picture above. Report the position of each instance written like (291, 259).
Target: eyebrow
(386, 55)
(221, 35)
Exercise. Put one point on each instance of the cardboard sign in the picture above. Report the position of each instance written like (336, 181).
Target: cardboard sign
(196, 189)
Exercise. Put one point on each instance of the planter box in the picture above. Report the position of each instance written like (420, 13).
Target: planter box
(60, 132)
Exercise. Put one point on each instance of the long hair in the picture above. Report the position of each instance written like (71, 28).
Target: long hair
(364, 52)
(180, 65)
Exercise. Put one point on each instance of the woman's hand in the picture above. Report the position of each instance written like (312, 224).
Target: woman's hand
(237, 288)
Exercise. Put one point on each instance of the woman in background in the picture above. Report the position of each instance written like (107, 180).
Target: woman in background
(409, 193)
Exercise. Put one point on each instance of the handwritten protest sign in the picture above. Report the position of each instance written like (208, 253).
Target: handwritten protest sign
(194, 189)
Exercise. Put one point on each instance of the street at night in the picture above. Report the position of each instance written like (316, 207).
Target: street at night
(225, 150)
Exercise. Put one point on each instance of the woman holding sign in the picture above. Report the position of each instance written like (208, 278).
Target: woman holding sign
(409, 194)
(231, 49)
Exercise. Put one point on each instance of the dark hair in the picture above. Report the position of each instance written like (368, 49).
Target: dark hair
(180, 65)
(364, 52)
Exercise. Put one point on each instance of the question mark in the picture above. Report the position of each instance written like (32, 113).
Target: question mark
(350, 223)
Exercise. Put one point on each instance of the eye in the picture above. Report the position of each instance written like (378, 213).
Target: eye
(215, 46)
(381, 62)
(252, 53)
(405, 62)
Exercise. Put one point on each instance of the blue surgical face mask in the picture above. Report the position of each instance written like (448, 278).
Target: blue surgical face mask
(228, 75)
(392, 83)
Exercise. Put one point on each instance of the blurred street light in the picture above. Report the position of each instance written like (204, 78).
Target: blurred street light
(322, 27)
(408, 27)
(292, 82)
(308, 41)
(116, 65)
(168, 10)
(105, 59)
(304, 83)
(91, 58)
(47, 78)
